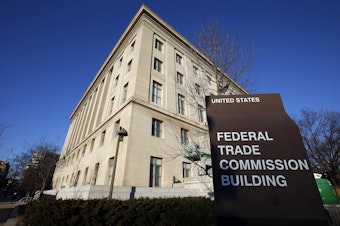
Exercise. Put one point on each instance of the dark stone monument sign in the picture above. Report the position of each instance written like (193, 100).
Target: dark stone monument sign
(261, 171)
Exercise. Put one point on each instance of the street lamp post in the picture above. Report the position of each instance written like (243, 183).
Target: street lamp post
(121, 134)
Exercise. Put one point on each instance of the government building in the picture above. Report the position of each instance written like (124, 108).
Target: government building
(141, 123)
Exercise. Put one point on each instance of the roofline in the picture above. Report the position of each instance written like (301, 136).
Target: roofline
(145, 10)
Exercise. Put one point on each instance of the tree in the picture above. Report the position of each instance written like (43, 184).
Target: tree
(232, 57)
(226, 49)
(320, 132)
(39, 161)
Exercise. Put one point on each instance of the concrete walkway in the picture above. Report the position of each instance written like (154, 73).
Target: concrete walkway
(8, 212)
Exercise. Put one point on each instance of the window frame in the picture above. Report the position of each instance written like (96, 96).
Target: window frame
(125, 90)
(181, 104)
(184, 136)
(180, 78)
(116, 80)
(129, 65)
(102, 138)
(158, 65)
(112, 104)
(197, 89)
(157, 128)
(158, 45)
(156, 166)
(195, 70)
(200, 113)
(156, 93)
(186, 169)
(179, 59)
(132, 46)
(95, 173)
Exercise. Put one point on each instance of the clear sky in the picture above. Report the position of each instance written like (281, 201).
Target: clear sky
(51, 50)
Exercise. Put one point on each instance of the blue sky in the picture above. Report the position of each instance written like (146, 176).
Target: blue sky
(51, 50)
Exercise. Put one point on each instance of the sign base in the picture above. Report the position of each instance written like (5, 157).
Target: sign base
(229, 221)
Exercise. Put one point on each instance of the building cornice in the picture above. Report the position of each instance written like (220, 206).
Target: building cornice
(145, 12)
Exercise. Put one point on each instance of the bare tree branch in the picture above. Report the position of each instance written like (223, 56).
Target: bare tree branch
(321, 135)
(225, 48)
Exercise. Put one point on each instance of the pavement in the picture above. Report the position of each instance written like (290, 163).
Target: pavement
(8, 212)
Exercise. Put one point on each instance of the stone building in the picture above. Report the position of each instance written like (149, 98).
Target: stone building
(152, 84)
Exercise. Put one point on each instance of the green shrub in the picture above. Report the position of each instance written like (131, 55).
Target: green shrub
(144, 211)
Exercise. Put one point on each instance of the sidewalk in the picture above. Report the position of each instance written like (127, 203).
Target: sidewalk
(8, 212)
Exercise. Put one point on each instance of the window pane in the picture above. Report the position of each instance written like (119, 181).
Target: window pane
(200, 113)
(184, 136)
(158, 45)
(197, 89)
(156, 128)
(157, 65)
(178, 59)
(125, 92)
(95, 174)
(181, 109)
(156, 93)
(155, 172)
(112, 104)
(179, 78)
(116, 80)
(195, 69)
(186, 170)
(129, 65)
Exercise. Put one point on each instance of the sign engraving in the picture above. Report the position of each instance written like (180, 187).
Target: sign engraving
(258, 158)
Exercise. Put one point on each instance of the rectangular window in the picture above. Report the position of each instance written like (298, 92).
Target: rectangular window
(209, 79)
(155, 172)
(195, 70)
(200, 113)
(186, 169)
(116, 80)
(158, 45)
(178, 59)
(157, 129)
(66, 181)
(85, 176)
(132, 46)
(95, 174)
(111, 162)
(102, 138)
(184, 136)
(84, 151)
(72, 179)
(125, 89)
(129, 66)
(181, 106)
(112, 104)
(157, 65)
(77, 179)
(156, 93)
(92, 144)
(116, 128)
(120, 61)
(197, 89)
(180, 78)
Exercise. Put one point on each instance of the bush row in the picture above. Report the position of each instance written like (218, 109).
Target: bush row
(145, 211)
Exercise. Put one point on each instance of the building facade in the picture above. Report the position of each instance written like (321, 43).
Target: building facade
(153, 84)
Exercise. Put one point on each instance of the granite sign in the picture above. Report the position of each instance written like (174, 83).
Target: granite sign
(260, 167)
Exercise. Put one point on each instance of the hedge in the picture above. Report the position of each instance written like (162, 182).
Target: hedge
(144, 211)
